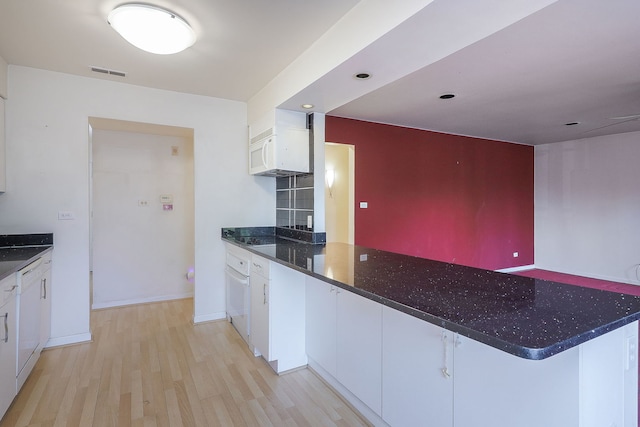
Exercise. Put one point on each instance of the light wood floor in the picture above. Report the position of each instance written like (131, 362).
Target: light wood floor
(150, 366)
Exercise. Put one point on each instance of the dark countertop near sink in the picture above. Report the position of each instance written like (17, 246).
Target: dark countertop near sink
(529, 318)
(19, 250)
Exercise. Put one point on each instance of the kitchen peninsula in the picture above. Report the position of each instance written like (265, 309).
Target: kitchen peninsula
(407, 339)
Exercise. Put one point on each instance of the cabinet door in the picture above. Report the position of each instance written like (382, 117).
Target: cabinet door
(414, 358)
(259, 332)
(359, 347)
(8, 360)
(3, 161)
(495, 388)
(45, 304)
(321, 323)
(286, 299)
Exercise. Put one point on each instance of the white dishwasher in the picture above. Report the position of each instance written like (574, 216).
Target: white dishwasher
(238, 290)
(28, 281)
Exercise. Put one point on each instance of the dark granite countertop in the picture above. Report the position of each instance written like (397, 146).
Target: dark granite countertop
(529, 318)
(19, 250)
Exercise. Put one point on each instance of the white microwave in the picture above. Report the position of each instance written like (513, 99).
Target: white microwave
(282, 154)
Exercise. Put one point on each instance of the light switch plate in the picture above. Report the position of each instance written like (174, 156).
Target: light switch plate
(66, 215)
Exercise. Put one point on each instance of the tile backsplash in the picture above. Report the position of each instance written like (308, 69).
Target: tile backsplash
(294, 202)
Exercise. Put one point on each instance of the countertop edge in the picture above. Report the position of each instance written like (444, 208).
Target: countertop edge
(18, 267)
(513, 349)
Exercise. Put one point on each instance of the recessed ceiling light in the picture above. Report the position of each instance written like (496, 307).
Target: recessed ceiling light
(362, 76)
(151, 28)
(307, 106)
(447, 96)
(572, 123)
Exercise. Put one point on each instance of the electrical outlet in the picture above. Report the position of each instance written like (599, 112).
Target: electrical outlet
(516, 254)
(364, 205)
(143, 203)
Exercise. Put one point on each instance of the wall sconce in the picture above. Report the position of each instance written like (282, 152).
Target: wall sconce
(330, 176)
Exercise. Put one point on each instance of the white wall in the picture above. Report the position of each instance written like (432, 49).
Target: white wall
(587, 207)
(364, 23)
(141, 252)
(47, 171)
(3, 78)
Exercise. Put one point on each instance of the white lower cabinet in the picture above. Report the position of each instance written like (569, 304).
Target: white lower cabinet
(8, 343)
(277, 314)
(359, 347)
(583, 386)
(260, 325)
(3, 161)
(321, 323)
(45, 301)
(344, 337)
(417, 368)
(399, 370)
(494, 388)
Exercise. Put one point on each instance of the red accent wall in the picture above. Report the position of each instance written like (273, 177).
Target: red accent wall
(446, 197)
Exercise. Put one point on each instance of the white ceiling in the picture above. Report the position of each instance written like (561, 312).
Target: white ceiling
(575, 60)
(241, 46)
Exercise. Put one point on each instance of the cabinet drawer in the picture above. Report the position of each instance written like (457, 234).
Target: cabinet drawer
(260, 266)
(7, 289)
(46, 260)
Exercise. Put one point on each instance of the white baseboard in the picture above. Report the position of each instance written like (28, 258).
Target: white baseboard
(69, 339)
(209, 317)
(519, 268)
(122, 303)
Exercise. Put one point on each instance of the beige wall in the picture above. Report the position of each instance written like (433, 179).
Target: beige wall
(130, 172)
(587, 207)
(339, 201)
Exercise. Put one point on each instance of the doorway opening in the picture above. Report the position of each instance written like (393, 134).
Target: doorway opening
(339, 192)
(142, 238)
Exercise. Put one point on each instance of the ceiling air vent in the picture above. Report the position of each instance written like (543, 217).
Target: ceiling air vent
(107, 71)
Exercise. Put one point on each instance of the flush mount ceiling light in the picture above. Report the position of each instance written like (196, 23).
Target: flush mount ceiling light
(151, 28)
(307, 106)
(362, 76)
(447, 96)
